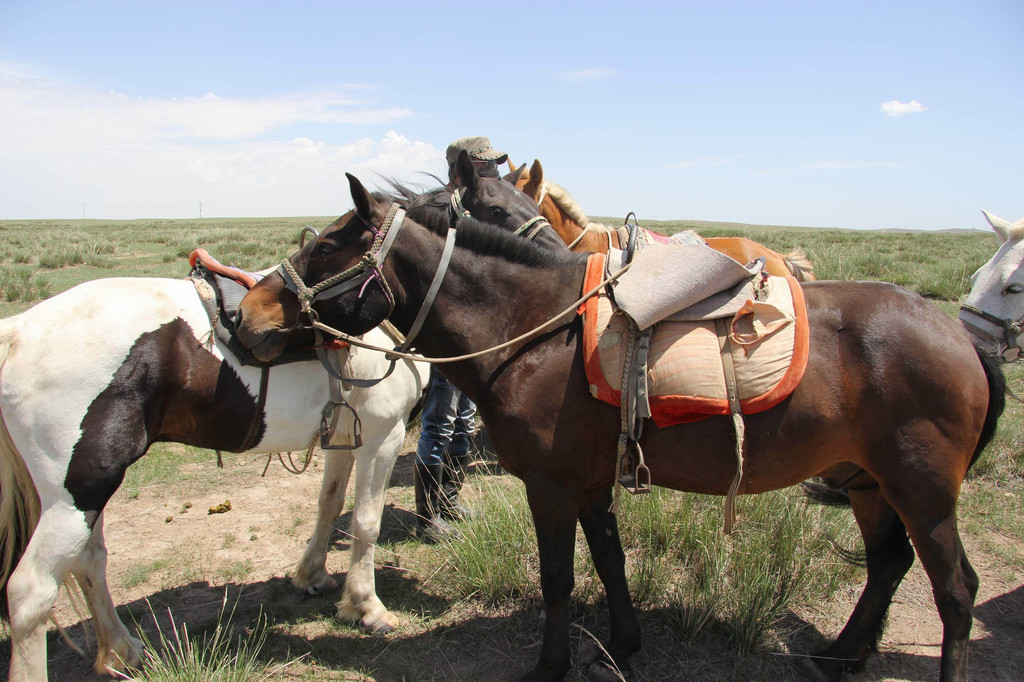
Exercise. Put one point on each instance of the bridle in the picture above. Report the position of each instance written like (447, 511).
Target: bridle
(369, 269)
(530, 229)
(1011, 330)
(360, 275)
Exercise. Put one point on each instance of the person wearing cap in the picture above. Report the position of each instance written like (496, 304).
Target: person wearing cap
(479, 150)
(448, 418)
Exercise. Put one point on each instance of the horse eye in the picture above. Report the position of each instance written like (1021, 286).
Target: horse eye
(1013, 289)
(325, 249)
(498, 212)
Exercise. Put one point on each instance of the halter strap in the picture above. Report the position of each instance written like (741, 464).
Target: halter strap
(455, 208)
(1011, 330)
(538, 223)
(360, 274)
(368, 267)
(435, 285)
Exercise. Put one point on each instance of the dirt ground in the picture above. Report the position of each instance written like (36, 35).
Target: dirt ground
(185, 559)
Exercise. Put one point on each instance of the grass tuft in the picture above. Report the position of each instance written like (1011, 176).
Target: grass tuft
(225, 654)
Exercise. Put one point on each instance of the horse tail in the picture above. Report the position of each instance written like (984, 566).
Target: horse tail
(996, 397)
(799, 265)
(19, 501)
(824, 495)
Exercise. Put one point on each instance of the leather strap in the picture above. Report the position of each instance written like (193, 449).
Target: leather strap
(722, 326)
(435, 285)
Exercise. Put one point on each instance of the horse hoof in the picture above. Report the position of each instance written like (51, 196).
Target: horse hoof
(812, 670)
(601, 672)
(590, 652)
(120, 658)
(381, 626)
(316, 585)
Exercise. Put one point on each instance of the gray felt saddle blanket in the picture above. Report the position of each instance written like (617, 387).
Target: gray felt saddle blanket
(682, 282)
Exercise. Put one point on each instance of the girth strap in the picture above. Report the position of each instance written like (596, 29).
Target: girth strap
(732, 390)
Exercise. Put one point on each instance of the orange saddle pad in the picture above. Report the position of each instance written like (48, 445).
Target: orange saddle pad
(768, 341)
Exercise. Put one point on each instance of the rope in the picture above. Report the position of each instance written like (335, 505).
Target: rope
(356, 341)
(292, 467)
(580, 237)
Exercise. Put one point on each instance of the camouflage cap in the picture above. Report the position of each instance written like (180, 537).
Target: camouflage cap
(479, 149)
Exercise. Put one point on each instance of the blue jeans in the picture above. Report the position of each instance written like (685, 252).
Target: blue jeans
(447, 419)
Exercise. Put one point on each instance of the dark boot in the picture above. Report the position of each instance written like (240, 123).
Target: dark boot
(429, 523)
(451, 485)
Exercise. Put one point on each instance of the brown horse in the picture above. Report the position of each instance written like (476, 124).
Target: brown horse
(894, 405)
(577, 230)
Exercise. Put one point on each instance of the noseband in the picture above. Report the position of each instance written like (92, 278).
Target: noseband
(1011, 331)
(368, 268)
(456, 210)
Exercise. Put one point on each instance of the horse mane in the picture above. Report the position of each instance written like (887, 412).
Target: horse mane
(1015, 230)
(427, 207)
(485, 239)
(430, 209)
(993, 367)
(564, 201)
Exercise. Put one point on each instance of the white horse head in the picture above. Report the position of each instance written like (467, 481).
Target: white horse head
(994, 310)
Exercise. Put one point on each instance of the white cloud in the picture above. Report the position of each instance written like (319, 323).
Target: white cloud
(588, 75)
(842, 165)
(895, 108)
(149, 157)
(710, 161)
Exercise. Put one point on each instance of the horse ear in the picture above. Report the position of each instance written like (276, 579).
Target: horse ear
(465, 171)
(515, 175)
(534, 180)
(362, 199)
(1001, 227)
(537, 172)
(511, 166)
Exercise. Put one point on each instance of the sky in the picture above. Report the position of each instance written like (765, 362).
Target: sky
(863, 115)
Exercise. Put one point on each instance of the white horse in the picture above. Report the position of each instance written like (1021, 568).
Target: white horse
(90, 378)
(994, 310)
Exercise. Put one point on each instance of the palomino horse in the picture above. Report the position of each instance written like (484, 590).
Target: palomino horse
(77, 416)
(872, 414)
(994, 310)
(577, 230)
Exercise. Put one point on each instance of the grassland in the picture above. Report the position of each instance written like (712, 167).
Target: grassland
(723, 608)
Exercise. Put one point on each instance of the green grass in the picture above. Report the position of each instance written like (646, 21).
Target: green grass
(224, 653)
(62, 253)
(164, 463)
(678, 559)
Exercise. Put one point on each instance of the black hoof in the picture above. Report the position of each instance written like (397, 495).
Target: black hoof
(602, 672)
(816, 671)
(590, 652)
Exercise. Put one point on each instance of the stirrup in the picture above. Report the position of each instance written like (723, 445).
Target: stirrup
(638, 481)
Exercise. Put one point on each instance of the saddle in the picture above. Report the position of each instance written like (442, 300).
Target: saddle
(685, 334)
(221, 289)
(677, 355)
